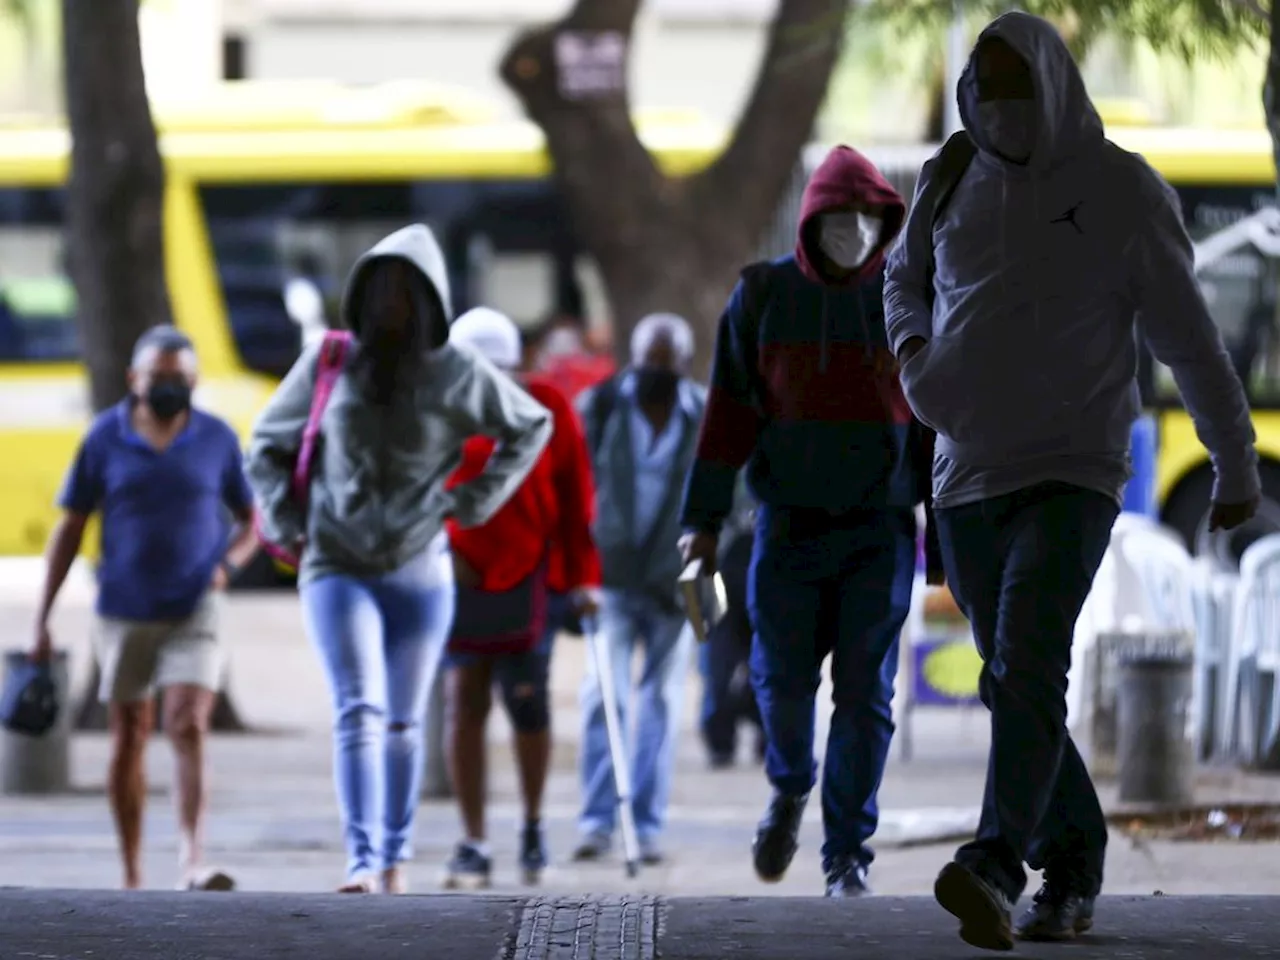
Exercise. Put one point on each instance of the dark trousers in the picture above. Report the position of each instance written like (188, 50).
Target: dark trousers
(842, 586)
(1020, 567)
(727, 697)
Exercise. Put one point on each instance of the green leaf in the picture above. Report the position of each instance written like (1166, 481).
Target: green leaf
(1191, 29)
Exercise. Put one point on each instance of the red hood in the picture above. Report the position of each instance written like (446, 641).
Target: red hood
(843, 178)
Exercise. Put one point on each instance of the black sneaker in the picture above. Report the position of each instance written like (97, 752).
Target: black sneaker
(468, 870)
(1056, 913)
(846, 878)
(720, 760)
(533, 853)
(777, 836)
(982, 908)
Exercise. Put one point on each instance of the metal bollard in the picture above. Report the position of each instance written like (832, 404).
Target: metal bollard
(39, 765)
(1102, 664)
(1155, 732)
(435, 777)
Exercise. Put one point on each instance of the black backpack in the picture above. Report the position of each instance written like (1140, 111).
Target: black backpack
(953, 160)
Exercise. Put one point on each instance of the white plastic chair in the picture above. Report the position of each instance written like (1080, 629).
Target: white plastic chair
(1213, 596)
(1143, 583)
(1164, 573)
(1253, 727)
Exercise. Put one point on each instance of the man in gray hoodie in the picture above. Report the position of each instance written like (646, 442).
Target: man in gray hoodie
(1018, 344)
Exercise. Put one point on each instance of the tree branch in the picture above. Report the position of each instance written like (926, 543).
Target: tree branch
(590, 133)
(804, 44)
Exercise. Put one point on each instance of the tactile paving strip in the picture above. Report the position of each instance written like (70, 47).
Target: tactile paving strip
(587, 928)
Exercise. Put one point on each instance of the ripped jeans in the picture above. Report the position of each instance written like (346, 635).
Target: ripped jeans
(381, 640)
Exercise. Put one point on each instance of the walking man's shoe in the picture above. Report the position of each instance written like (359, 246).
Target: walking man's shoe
(1055, 914)
(651, 854)
(982, 909)
(777, 836)
(208, 879)
(846, 879)
(592, 847)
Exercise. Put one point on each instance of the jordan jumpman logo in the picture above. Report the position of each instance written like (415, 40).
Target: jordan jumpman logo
(1070, 217)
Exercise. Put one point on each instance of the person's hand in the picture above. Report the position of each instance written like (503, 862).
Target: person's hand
(464, 573)
(1228, 516)
(220, 579)
(910, 348)
(42, 644)
(700, 546)
(585, 601)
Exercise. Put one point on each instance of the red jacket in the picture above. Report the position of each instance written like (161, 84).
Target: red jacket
(574, 373)
(549, 516)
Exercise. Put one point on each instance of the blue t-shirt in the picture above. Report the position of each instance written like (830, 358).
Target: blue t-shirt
(165, 523)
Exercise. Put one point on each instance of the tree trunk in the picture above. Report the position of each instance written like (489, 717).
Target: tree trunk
(115, 197)
(664, 243)
(115, 215)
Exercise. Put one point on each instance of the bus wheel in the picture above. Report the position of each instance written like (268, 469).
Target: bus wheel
(1190, 506)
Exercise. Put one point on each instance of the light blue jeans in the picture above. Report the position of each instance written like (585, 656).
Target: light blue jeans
(381, 640)
(625, 620)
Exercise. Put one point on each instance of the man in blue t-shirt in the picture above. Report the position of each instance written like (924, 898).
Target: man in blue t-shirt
(162, 476)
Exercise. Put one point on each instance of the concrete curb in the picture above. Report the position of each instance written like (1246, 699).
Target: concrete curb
(116, 926)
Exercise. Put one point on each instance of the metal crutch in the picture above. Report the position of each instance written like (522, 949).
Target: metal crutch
(602, 660)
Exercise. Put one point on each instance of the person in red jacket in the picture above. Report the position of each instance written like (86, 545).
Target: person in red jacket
(538, 543)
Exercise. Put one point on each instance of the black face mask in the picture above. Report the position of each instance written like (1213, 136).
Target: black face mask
(169, 399)
(656, 385)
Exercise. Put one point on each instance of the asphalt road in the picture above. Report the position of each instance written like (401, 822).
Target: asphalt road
(93, 925)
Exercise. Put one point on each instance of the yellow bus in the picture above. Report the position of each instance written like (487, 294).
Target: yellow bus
(271, 185)
(274, 187)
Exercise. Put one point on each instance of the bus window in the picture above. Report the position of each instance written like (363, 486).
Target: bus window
(1240, 290)
(283, 251)
(37, 300)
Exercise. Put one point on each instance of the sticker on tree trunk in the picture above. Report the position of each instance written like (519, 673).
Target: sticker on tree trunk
(590, 64)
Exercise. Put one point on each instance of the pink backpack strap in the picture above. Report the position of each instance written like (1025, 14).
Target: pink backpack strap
(333, 355)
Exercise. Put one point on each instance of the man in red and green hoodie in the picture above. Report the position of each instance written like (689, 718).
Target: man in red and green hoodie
(804, 394)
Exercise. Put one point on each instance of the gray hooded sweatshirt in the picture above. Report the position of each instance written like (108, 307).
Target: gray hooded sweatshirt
(1046, 274)
(378, 495)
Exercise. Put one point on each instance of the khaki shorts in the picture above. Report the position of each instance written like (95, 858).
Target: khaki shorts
(136, 656)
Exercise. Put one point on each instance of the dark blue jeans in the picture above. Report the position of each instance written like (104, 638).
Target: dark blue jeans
(842, 586)
(1020, 567)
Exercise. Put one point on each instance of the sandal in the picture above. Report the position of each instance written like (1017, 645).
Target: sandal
(358, 884)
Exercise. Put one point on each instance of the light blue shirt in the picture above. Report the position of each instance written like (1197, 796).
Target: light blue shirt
(655, 456)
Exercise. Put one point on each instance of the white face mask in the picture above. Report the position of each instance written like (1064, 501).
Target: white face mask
(848, 239)
(1010, 126)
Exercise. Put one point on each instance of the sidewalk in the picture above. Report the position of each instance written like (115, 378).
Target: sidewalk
(274, 819)
(108, 926)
